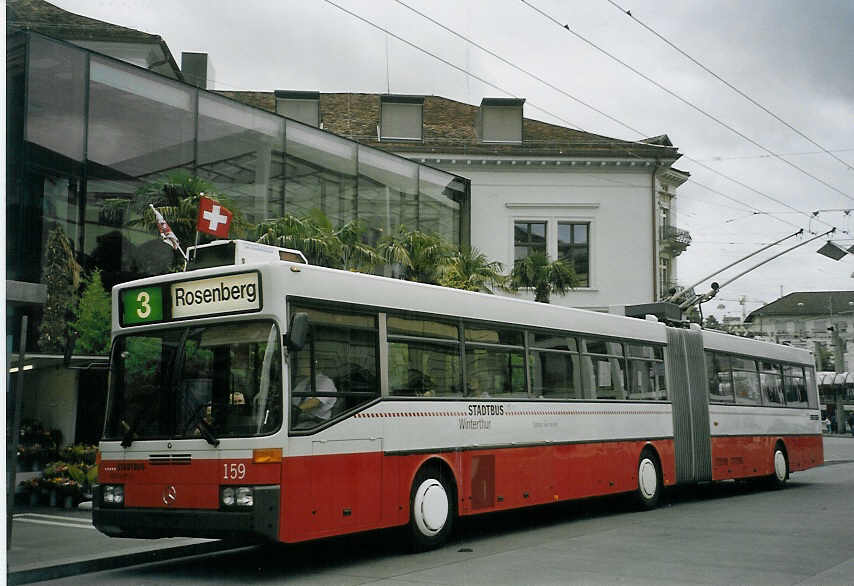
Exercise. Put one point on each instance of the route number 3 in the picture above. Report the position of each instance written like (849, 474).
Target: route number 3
(144, 300)
(234, 471)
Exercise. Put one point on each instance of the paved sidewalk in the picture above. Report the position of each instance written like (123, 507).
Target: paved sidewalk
(52, 542)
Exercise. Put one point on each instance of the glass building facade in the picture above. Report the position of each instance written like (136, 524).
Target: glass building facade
(85, 130)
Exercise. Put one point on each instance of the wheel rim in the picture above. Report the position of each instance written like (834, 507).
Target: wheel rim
(647, 478)
(780, 465)
(431, 507)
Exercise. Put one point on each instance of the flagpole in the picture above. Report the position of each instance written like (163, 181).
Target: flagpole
(166, 233)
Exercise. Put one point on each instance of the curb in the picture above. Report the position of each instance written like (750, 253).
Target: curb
(116, 561)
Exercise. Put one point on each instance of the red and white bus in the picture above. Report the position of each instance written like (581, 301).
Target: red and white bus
(292, 402)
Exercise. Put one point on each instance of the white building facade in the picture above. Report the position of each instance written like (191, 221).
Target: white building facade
(606, 206)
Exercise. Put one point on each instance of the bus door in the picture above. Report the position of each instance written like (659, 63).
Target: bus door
(686, 380)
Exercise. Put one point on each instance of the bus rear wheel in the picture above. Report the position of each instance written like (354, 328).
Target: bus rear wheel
(781, 468)
(432, 509)
(649, 481)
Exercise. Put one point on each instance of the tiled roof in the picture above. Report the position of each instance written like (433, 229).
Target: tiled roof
(49, 20)
(451, 127)
(807, 303)
(43, 17)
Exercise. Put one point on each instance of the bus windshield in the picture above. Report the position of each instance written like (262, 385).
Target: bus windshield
(208, 382)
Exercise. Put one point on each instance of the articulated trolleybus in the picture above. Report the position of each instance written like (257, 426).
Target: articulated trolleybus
(279, 400)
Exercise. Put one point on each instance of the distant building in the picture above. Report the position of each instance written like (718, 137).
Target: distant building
(607, 206)
(803, 319)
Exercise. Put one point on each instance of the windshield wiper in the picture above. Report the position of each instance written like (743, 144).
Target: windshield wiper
(198, 422)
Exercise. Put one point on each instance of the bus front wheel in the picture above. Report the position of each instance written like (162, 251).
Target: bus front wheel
(432, 510)
(649, 480)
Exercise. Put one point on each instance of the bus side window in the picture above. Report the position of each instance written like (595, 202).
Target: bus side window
(745, 380)
(554, 365)
(423, 357)
(340, 357)
(812, 391)
(495, 362)
(604, 367)
(646, 373)
(720, 378)
(771, 382)
(794, 386)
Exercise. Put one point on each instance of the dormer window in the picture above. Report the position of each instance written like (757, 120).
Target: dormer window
(501, 120)
(301, 106)
(401, 117)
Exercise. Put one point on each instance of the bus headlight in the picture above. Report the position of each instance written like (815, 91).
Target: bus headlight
(236, 497)
(245, 497)
(113, 494)
(228, 496)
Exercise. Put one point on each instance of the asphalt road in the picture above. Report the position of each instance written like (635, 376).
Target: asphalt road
(730, 533)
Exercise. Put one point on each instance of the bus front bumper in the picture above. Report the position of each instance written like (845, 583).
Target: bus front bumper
(261, 522)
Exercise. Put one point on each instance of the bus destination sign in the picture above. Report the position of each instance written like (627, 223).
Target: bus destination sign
(186, 299)
(218, 295)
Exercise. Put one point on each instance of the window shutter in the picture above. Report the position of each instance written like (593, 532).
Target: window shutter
(305, 111)
(401, 121)
(502, 124)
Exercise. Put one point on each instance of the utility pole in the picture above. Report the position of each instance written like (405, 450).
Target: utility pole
(838, 366)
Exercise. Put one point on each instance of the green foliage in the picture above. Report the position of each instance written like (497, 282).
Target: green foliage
(693, 315)
(543, 276)
(321, 242)
(471, 270)
(419, 255)
(177, 197)
(711, 323)
(93, 317)
(61, 276)
(824, 357)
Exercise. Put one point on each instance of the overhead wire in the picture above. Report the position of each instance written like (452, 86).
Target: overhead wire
(445, 61)
(715, 159)
(584, 103)
(682, 99)
(728, 84)
(572, 125)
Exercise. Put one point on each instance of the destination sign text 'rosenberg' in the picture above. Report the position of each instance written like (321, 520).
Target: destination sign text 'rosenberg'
(217, 295)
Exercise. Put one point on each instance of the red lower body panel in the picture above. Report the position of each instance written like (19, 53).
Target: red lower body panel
(747, 456)
(336, 494)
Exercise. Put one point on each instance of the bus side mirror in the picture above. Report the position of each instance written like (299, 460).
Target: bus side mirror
(297, 332)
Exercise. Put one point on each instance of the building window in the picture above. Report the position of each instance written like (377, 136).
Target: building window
(573, 247)
(528, 237)
(501, 120)
(300, 106)
(664, 272)
(401, 118)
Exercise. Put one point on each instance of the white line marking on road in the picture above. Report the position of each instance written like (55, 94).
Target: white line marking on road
(40, 522)
(59, 517)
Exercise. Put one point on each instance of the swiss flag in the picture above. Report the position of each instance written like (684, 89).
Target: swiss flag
(214, 219)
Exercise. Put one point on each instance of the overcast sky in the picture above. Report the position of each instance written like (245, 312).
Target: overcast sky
(796, 58)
